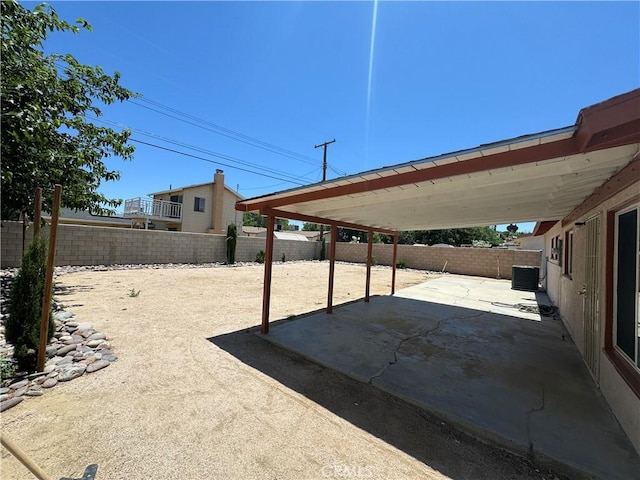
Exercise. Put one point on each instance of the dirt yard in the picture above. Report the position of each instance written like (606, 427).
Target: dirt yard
(195, 394)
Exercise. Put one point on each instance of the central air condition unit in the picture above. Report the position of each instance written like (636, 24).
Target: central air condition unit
(524, 277)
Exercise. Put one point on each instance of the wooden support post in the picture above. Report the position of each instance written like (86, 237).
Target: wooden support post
(395, 260)
(37, 212)
(23, 458)
(48, 283)
(369, 260)
(332, 266)
(268, 263)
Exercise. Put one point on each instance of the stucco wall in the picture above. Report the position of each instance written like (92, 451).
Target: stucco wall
(483, 262)
(85, 245)
(564, 291)
(192, 221)
(229, 212)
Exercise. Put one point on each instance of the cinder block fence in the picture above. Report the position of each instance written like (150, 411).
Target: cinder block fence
(482, 262)
(88, 245)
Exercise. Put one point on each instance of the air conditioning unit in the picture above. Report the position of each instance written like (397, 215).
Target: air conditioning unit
(524, 277)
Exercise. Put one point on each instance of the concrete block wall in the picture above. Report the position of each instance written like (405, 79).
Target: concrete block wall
(88, 245)
(482, 262)
(248, 247)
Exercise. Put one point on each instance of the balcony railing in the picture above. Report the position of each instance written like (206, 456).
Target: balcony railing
(153, 209)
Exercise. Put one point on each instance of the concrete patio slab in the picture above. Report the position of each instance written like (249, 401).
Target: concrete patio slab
(475, 353)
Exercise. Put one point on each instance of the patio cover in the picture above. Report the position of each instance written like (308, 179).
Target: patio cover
(545, 177)
(539, 177)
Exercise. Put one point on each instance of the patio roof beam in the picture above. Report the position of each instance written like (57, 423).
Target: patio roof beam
(621, 180)
(325, 221)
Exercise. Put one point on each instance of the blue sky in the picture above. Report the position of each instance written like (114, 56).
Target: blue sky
(440, 77)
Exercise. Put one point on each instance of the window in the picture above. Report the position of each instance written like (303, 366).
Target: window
(626, 291)
(568, 253)
(176, 198)
(556, 249)
(198, 204)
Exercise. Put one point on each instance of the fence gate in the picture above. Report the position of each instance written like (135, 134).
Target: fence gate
(591, 296)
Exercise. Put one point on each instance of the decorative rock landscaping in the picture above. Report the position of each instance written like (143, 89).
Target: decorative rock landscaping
(75, 349)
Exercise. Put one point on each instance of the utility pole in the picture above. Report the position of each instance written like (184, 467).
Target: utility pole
(324, 172)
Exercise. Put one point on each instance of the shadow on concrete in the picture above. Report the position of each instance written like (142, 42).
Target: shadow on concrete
(508, 376)
(397, 422)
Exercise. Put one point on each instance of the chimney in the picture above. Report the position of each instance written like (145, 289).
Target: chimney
(217, 219)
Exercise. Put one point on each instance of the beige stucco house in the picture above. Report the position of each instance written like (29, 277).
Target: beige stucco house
(202, 208)
(593, 275)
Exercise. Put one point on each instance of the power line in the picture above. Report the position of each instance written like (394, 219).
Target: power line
(227, 132)
(212, 161)
(200, 123)
(202, 150)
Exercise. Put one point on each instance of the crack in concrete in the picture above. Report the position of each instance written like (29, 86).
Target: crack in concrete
(529, 413)
(397, 349)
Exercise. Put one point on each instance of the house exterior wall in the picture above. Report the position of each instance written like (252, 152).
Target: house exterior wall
(565, 292)
(229, 213)
(483, 262)
(202, 222)
(192, 221)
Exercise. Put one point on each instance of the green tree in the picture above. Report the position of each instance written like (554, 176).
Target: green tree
(452, 236)
(251, 219)
(23, 323)
(47, 100)
(310, 227)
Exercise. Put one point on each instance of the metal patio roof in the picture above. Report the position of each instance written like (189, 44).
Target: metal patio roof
(539, 177)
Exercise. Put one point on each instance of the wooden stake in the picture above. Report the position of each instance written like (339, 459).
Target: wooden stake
(48, 285)
(37, 212)
(22, 458)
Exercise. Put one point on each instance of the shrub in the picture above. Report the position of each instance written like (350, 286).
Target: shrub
(401, 264)
(284, 258)
(7, 368)
(323, 250)
(23, 324)
(260, 256)
(232, 238)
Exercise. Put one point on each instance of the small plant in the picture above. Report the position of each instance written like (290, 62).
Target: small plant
(7, 368)
(232, 239)
(323, 250)
(401, 264)
(260, 256)
(23, 324)
(284, 259)
(134, 293)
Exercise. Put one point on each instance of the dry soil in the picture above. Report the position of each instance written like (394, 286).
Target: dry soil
(195, 394)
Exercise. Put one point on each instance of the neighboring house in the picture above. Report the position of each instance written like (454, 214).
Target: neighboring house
(250, 231)
(529, 242)
(284, 235)
(203, 208)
